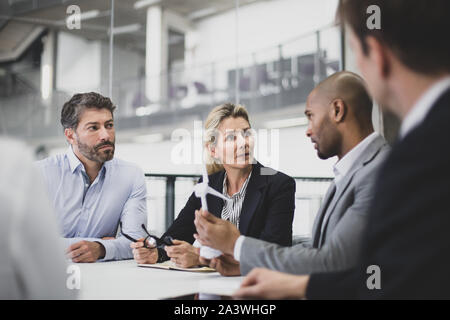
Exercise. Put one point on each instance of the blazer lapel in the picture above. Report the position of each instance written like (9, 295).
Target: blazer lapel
(344, 184)
(215, 204)
(319, 219)
(252, 197)
(370, 152)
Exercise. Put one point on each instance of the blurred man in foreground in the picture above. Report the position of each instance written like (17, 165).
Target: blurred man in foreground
(405, 250)
(32, 264)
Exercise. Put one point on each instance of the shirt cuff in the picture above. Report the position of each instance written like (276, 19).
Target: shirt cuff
(68, 242)
(110, 250)
(237, 248)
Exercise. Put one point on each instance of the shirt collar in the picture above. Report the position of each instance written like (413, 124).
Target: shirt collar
(342, 167)
(75, 163)
(241, 191)
(423, 105)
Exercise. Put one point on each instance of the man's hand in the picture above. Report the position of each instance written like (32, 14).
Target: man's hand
(183, 254)
(142, 254)
(215, 233)
(225, 265)
(86, 251)
(268, 284)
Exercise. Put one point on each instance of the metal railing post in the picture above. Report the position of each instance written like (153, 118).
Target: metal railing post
(279, 77)
(170, 200)
(317, 56)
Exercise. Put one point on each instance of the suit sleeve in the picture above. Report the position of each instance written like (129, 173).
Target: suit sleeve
(334, 286)
(409, 231)
(340, 252)
(280, 214)
(183, 227)
(408, 237)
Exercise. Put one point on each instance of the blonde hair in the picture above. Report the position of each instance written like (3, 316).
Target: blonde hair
(212, 123)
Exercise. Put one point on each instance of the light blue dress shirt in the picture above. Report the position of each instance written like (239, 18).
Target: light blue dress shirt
(91, 212)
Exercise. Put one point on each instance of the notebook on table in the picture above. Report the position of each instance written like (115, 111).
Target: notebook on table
(169, 265)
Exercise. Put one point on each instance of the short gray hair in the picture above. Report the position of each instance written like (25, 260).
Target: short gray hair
(72, 109)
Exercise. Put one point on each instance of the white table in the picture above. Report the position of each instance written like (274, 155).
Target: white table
(125, 280)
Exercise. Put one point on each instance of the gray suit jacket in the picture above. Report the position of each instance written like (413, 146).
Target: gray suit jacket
(337, 248)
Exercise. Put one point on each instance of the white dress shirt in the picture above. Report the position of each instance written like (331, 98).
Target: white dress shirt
(342, 167)
(32, 263)
(423, 105)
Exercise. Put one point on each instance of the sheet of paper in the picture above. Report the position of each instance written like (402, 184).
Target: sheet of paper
(169, 265)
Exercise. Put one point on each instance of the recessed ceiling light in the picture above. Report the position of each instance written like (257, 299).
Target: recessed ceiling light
(130, 28)
(145, 3)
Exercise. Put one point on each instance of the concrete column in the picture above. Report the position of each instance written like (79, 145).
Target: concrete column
(155, 55)
(48, 68)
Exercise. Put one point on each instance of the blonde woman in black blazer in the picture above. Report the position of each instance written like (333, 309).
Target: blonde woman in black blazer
(267, 209)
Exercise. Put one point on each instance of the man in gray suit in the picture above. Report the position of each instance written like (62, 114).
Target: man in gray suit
(339, 111)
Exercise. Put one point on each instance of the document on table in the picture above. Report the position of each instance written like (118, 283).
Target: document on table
(169, 265)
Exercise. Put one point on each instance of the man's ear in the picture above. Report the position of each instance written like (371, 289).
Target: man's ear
(339, 110)
(70, 135)
(379, 56)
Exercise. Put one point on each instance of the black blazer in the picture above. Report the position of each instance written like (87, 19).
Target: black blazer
(408, 234)
(267, 211)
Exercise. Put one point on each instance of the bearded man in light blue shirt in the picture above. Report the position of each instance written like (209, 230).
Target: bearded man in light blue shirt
(92, 192)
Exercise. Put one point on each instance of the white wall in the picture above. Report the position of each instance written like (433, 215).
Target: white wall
(297, 157)
(84, 65)
(78, 64)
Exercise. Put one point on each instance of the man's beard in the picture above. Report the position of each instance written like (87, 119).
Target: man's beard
(94, 154)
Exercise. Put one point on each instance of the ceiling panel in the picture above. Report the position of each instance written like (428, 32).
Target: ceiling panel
(52, 13)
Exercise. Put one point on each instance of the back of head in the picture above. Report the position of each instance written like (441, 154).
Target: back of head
(414, 30)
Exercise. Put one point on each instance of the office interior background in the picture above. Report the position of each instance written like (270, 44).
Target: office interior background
(165, 64)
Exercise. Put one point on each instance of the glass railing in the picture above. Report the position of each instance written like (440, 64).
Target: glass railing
(168, 194)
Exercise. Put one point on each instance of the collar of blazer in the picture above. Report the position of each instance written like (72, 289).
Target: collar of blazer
(251, 200)
(369, 154)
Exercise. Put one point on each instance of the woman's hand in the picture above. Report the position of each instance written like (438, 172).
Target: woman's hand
(183, 254)
(142, 254)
